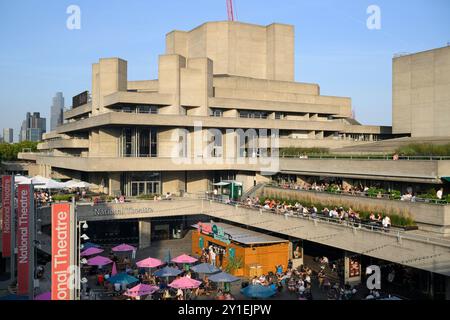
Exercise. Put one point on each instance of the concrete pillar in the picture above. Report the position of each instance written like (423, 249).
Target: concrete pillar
(114, 183)
(173, 182)
(196, 85)
(447, 288)
(296, 262)
(169, 79)
(109, 75)
(352, 269)
(145, 233)
(262, 179)
(232, 113)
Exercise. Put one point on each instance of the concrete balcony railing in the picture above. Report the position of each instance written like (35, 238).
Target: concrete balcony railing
(64, 144)
(135, 164)
(421, 171)
(78, 111)
(29, 156)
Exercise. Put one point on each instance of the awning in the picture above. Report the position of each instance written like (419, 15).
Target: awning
(221, 184)
(446, 179)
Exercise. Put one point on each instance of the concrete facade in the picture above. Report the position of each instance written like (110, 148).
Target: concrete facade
(421, 93)
(225, 76)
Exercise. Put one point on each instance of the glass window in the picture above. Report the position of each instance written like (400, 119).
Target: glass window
(216, 113)
(144, 143)
(153, 142)
(279, 115)
(253, 114)
(128, 142)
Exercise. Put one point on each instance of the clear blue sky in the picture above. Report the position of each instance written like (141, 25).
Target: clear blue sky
(334, 48)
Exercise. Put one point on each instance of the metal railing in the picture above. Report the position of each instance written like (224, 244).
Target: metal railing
(384, 196)
(327, 157)
(369, 227)
(363, 157)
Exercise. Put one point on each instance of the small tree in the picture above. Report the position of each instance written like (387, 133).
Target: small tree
(234, 264)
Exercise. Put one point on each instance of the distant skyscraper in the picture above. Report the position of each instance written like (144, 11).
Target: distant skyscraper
(56, 114)
(33, 127)
(8, 135)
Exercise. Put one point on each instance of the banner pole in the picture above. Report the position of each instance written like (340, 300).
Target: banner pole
(32, 230)
(13, 231)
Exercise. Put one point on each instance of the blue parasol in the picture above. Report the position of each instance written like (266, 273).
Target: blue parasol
(167, 272)
(223, 277)
(11, 297)
(123, 278)
(258, 291)
(205, 268)
(88, 245)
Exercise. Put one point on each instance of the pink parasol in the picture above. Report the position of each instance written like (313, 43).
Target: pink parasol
(185, 283)
(149, 263)
(91, 251)
(114, 270)
(141, 290)
(123, 248)
(184, 258)
(44, 296)
(99, 261)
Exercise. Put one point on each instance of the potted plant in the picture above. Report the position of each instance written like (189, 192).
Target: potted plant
(235, 266)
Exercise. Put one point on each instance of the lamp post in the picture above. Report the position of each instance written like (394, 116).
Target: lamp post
(82, 226)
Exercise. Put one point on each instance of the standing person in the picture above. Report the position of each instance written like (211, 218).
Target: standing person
(440, 193)
(221, 253)
(321, 277)
(180, 295)
(386, 222)
(213, 256)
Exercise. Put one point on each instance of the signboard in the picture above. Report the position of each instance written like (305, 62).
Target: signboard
(7, 196)
(61, 251)
(215, 231)
(80, 99)
(204, 228)
(25, 210)
(219, 234)
(354, 268)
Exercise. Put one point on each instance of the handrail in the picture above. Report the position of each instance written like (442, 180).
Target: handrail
(321, 157)
(363, 157)
(359, 225)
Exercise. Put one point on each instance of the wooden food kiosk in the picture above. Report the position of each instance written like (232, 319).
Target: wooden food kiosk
(257, 252)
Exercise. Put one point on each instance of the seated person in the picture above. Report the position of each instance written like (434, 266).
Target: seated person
(100, 279)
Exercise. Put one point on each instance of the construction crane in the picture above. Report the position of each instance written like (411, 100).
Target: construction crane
(230, 10)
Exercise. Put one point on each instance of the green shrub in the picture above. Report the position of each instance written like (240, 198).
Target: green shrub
(424, 149)
(63, 197)
(292, 151)
(373, 192)
(402, 220)
(395, 194)
(332, 189)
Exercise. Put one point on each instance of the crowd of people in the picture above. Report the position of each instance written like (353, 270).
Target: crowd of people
(337, 213)
(42, 198)
(127, 265)
(213, 255)
(355, 190)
